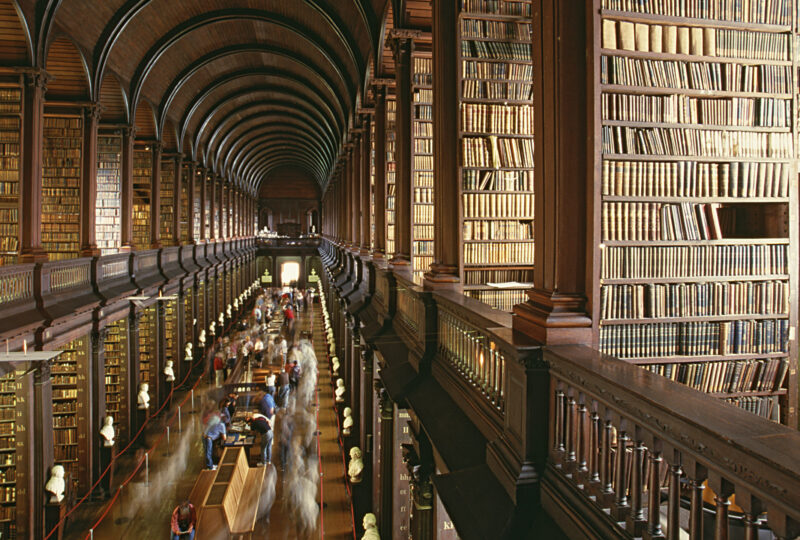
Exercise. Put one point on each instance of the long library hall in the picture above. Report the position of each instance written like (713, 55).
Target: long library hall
(429, 269)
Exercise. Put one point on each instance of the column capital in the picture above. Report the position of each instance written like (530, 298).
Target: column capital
(93, 111)
(37, 78)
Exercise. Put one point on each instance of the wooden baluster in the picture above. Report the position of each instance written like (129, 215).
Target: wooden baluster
(583, 469)
(606, 497)
(750, 527)
(696, 474)
(558, 428)
(636, 521)
(751, 508)
(654, 497)
(674, 505)
(569, 465)
(594, 449)
(621, 508)
(722, 491)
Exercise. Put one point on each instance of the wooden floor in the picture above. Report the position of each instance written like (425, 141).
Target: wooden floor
(145, 505)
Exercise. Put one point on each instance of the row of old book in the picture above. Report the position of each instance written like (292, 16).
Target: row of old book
(516, 8)
(477, 89)
(705, 76)
(496, 118)
(497, 152)
(749, 11)
(648, 221)
(707, 299)
(674, 108)
(756, 375)
(684, 339)
(510, 205)
(694, 40)
(622, 178)
(499, 253)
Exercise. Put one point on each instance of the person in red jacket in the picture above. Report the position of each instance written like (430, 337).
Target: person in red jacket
(184, 520)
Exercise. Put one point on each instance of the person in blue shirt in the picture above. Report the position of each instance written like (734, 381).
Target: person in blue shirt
(213, 432)
(224, 413)
(266, 405)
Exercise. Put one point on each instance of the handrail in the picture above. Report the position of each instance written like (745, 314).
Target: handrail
(16, 283)
(69, 274)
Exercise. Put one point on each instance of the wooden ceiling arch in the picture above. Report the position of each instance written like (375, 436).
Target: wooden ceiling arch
(17, 48)
(263, 169)
(257, 112)
(282, 90)
(69, 73)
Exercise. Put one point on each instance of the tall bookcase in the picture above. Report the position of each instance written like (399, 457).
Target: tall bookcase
(496, 129)
(188, 320)
(371, 182)
(171, 335)
(108, 208)
(148, 351)
(391, 114)
(8, 452)
(10, 132)
(116, 376)
(168, 209)
(69, 374)
(198, 186)
(142, 188)
(695, 195)
(209, 218)
(61, 186)
(422, 163)
(184, 232)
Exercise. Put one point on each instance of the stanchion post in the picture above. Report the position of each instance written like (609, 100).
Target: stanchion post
(180, 428)
(147, 468)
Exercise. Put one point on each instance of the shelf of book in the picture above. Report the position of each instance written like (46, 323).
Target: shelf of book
(391, 114)
(198, 189)
(62, 149)
(168, 209)
(108, 208)
(694, 123)
(184, 236)
(142, 191)
(170, 330)
(8, 441)
(371, 128)
(496, 138)
(422, 163)
(208, 221)
(148, 351)
(202, 313)
(10, 133)
(188, 319)
(69, 375)
(116, 376)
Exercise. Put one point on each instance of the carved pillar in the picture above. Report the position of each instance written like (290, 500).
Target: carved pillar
(212, 198)
(366, 183)
(126, 190)
(402, 47)
(31, 168)
(190, 188)
(134, 322)
(355, 190)
(155, 197)
(91, 116)
(445, 272)
(379, 249)
(366, 402)
(386, 461)
(220, 201)
(97, 413)
(42, 443)
(201, 177)
(177, 200)
(555, 312)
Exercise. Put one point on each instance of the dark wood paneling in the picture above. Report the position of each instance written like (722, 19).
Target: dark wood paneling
(69, 78)
(13, 43)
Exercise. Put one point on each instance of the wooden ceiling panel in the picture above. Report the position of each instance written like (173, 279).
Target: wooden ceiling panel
(170, 137)
(112, 100)
(289, 183)
(85, 21)
(14, 47)
(145, 122)
(69, 78)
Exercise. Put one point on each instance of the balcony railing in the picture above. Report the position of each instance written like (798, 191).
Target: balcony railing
(16, 283)
(634, 450)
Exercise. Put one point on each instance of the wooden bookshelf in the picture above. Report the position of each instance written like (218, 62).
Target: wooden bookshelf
(69, 374)
(202, 309)
(184, 236)
(168, 209)
(372, 181)
(171, 330)
(198, 187)
(209, 223)
(695, 207)
(188, 321)
(391, 115)
(8, 446)
(496, 133)
(142, 188)
(10, 133)
(108, 208)
(422, 234)
(148, 352)
(116, 376)
(61, 186)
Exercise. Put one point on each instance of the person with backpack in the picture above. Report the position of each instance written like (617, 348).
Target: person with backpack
(263, 425)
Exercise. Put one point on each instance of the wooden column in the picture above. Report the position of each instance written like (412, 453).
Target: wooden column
(555, 312)
(97, 413)
(237, 218)
(30, 215)
(89, 182)
(176, 201)
(220, 201)
(402, 47)
(212, 198)
(203, 197)
(379, 249)
(126, 193)
(191, 186)
(386, 463)
(155, 197)
(445, 272)
(355, 190)
(366, 182)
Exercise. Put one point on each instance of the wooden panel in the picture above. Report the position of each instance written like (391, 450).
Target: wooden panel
(289, 183)
(112, 99)
(170, 137)
(145, 122)
(65, 64)
(13, 43)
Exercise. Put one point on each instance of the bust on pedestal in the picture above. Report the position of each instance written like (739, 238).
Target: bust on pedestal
(347, 423)
(340, 391)
(107, 436)
(356, 465)
(55, 507)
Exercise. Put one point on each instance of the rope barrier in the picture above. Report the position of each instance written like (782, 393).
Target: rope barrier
(114, 458)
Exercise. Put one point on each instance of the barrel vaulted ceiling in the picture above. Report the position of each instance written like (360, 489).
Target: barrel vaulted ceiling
(244, 87)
